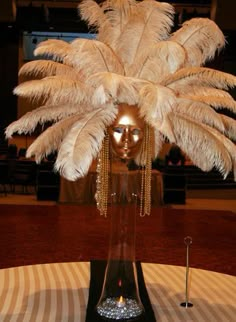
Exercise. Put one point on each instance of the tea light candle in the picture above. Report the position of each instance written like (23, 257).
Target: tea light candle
(121, 302)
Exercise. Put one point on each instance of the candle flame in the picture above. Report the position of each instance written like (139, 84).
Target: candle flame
(121, 299)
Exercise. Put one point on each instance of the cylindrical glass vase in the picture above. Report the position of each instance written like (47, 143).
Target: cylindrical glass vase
(120, 298)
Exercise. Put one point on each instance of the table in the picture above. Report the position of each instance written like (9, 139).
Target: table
(59, 292)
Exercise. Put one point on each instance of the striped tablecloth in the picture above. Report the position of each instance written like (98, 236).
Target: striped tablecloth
(59, 292)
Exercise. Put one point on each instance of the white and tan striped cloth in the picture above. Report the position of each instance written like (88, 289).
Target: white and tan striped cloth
(59, 292)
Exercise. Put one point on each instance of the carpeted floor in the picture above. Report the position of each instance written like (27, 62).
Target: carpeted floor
(197, 200)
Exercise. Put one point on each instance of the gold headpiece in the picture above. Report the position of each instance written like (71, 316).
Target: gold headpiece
(137, 61)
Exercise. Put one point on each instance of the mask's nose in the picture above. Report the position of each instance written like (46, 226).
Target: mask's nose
(126, 135)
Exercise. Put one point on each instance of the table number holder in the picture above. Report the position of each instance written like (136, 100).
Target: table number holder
(188, 241)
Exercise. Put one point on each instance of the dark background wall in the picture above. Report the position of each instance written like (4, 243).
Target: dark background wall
(9, 44)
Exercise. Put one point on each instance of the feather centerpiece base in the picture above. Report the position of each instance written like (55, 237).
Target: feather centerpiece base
(97, 273)
(120, 298)
(117, 288)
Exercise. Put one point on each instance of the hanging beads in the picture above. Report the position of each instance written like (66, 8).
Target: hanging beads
(102, 182)
(146, 173)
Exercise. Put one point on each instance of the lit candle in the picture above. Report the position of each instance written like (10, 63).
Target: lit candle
(121, 301)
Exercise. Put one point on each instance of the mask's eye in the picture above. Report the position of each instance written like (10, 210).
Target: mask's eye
(118, 129)
(135, 132)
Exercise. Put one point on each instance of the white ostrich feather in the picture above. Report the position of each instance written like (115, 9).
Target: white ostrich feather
(55, 48)
(43, 68)
(100, 96)
(230, 126)
(198, 90)
(201, 38)
(115, 87)
(229, 146)
(88, 55)
(153, 19)
(50, 140)
(118, 13)
(165, 128)
(201, 76)
(83, 142)
(155, 102)
(158, 20)
(216, 102)
(199, 112)
(94, 56)
(203, 148)
(28, 122)
(91, 12)
(171, 55)
(59, 90)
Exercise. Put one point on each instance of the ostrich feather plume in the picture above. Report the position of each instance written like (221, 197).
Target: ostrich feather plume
(54, 88)
(152, 18)
(119, 88)
(82, 143)
(136, 59)
(201, 38)
(93, 14)
(55, 48)
(155, 102)
(216, 101)
(229, 125)
(148, 66)
(43, 68)
(83, 54)
(50, 140)
(200, 112)
(28, 122)
(202, 146)
(200, 90)
(202, 76)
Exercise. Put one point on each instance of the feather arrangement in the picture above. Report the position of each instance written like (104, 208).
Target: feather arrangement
(135, 60)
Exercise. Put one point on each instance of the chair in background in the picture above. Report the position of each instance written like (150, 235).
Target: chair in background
(175, 156)
(12, 151)
(4, 178)
(22, 153)
(47, 181)
(23, 173)
(174, 180)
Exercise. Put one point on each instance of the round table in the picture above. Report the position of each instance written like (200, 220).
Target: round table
(59, 292)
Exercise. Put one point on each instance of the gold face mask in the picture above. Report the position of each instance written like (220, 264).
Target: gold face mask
(126, 133)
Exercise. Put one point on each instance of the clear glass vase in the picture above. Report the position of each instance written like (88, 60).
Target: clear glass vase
(120, 298)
